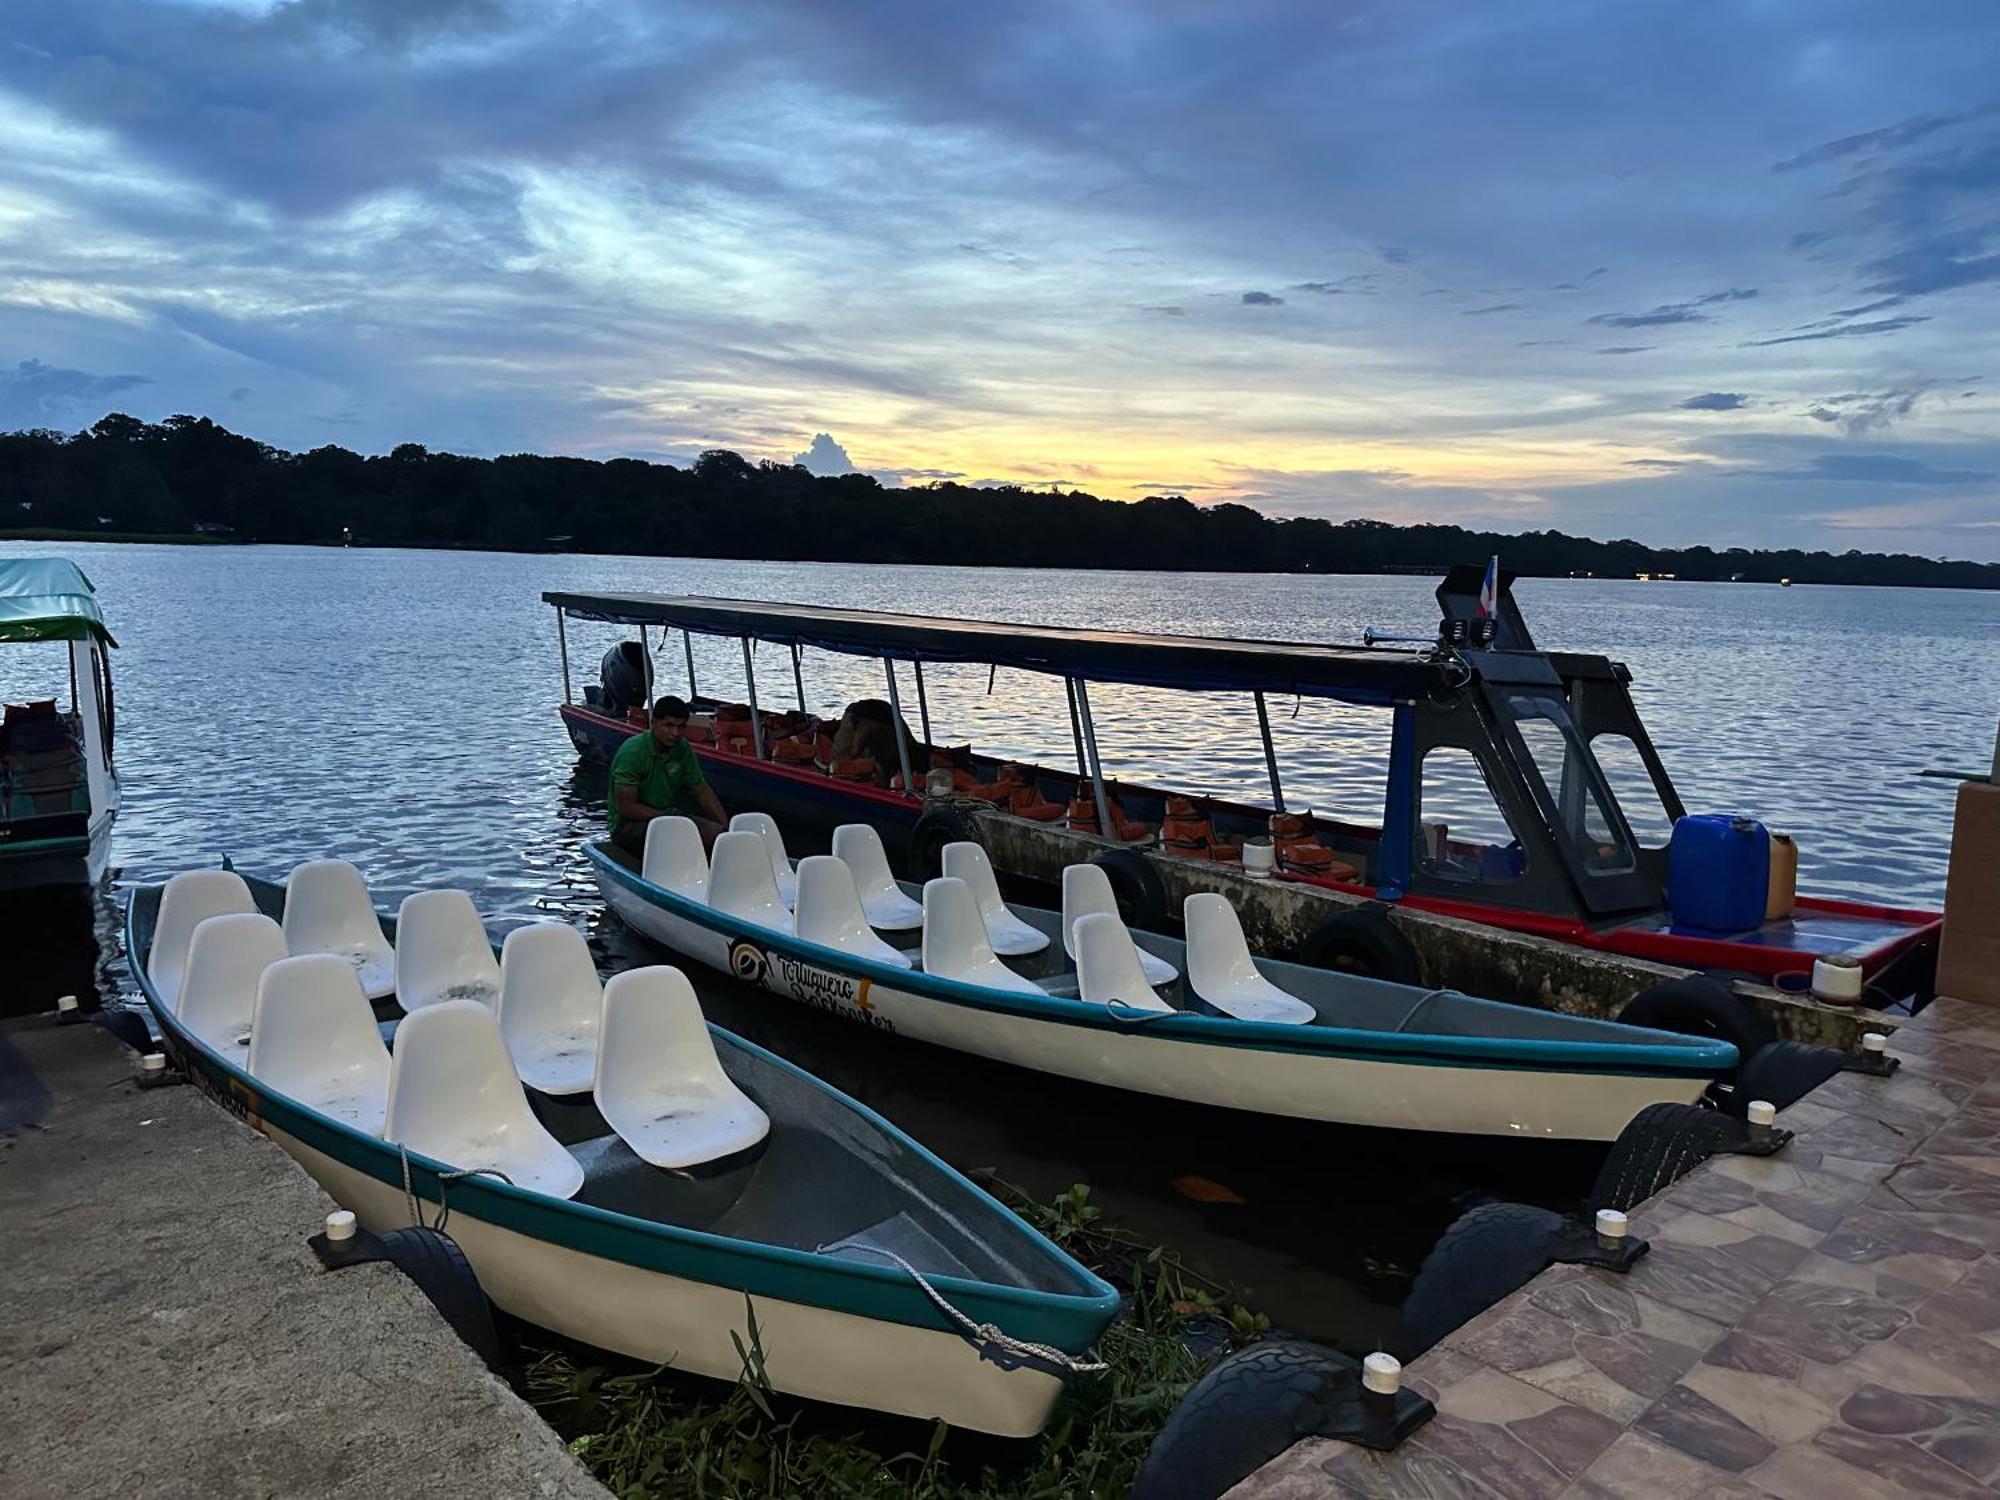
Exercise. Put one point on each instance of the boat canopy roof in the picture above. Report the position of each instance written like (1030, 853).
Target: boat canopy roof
(48, 599)
(1190, 663)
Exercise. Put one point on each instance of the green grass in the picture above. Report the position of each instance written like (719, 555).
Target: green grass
(651, 1433)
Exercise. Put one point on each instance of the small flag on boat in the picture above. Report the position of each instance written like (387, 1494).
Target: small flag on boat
(1489, 592)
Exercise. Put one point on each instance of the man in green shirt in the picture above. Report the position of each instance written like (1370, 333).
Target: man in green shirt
(655, 775)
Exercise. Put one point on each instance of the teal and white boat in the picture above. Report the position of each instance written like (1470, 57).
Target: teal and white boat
(1075, 994)
(661, 1183)
(58, 790)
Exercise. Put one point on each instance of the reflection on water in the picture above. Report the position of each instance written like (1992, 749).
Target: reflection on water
(396, 709)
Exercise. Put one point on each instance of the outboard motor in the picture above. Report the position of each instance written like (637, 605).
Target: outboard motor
(622, 675)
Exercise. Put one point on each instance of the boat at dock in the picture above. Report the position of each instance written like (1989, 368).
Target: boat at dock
(615, 1170)
(1199, 1020)
(1502, 848)
(58, 786)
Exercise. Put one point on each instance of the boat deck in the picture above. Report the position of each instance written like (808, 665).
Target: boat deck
(1822, 1322)
(164, 1330)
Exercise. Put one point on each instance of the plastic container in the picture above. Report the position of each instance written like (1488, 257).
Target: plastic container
(1783, 893)
(1718, 873)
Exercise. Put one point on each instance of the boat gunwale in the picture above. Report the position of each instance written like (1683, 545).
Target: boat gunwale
(1071, 1321)
(1691, 1057)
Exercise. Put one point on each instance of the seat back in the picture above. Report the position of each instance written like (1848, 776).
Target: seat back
(187, 900)
(225, 962)
(454, 1097)
(829, 907)
(313, 1037)
(653, 1039)
(741, 882)
(675, 859)
(548, 985)
(1218, 958)
(955, 945)
(328, 909)
(442, 952)
(968, 861)
(1085, 889)
(766, 827)
(859, 847)
(1107, 965)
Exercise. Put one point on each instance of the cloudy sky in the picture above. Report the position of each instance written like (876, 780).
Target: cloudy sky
(1720, 272)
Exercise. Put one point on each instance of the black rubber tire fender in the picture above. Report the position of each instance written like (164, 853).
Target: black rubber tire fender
(1658, 1146)
(439, 1269)
(1491, 1250)
(1137, 887)
(1783, 1073)
(1362, 941)
(937, 827)
(1700, 1006)
(1236, 1418)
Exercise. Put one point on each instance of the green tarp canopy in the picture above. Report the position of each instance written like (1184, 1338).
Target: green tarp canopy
(48, 599)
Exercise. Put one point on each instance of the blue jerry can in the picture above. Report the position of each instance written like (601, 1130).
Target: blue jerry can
(1718, 872)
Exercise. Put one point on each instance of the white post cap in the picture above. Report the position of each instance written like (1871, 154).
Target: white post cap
(1874, 1041)
(1382, 1374)
(65, 1004)
(1611, 1224)
(153, 1062)
(1761, 1112)
(340, 1225)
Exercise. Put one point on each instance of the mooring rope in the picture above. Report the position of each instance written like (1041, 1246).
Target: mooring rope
(444, 1179)
(987, 1333)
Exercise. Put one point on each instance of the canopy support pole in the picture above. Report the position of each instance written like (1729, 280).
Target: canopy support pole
(1096, 764)
(923, 704)
(1270, 753)
(798, 677)
(1075, 726)
(756, 719)
(687, 645)
(646, 655)
(902, 733)
(562, 647)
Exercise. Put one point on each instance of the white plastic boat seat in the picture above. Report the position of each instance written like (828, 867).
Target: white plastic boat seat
(1086, 888)
(675, 859)
(955, 945)
(313, 1038)
(453, 1097)
(442, 952)
(859, 846)
(187, 900)
(225, 963)
(659, 1082)
(1009, 936)
(1107, 965)
(1220, 969)
(766, 828)
(550, 1007)
(328, 910)
(828, 912)
(741, 883)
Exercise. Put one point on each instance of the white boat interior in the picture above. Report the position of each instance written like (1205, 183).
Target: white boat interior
(314, 1038)
(327, 910)
(551, 1007)
(442, 952)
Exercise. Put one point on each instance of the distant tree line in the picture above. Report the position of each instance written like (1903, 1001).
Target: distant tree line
(187, 475)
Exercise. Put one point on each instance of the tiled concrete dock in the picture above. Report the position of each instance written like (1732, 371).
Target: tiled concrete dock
(164, 1329)
(1816, 1325)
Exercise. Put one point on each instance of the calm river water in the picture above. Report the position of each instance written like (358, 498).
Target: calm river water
(397, 709)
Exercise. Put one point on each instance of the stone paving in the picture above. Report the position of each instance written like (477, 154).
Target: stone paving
(1814, 1325)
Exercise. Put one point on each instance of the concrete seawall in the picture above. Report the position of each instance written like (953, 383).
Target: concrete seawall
(1820, 1323)
(164, 1329)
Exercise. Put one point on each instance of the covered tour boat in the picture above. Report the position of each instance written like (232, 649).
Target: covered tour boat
(1498, 902)
(614, 1169)
(58, 788)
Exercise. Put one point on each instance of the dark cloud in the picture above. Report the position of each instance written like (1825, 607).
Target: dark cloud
(1165, 311)
(825, 457)
(1846, 330)
(241, 393)
(1716, 401)
(1675, 312)
(1887, 138)
(1396, 255)
(1262, 299)
(1664, 465)
(34, 393)
(1625, 349)
(1498, 307)
(1867, 307)
(1858, 412)
(1878, 468)
(1936, 263)
(1361, 283)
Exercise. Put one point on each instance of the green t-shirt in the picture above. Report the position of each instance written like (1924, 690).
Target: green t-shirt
(659, 776)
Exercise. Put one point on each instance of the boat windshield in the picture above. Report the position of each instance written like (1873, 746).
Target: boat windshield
(1574, 785)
